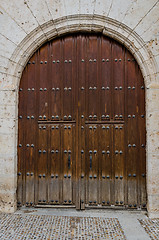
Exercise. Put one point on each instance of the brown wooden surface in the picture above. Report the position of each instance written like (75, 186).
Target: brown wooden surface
(82, 125)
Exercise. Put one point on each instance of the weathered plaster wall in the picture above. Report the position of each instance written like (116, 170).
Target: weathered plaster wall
(26, 24)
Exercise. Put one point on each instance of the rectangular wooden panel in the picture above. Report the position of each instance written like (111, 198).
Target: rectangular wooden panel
(56, 64)
(132, 139)
(105, 162)
(68, 84)
(68, 161)
(142, 141)
(118, 81)
(119, 156)
(54, 166)
(21, 141)
(92, 76)
(43, 80)
(92, 165)
(81, 63)
(42, 164)
(105, 89)
(31, 125)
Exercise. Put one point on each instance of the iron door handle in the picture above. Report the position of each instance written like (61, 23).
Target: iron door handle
(90, 159)
(69, 161)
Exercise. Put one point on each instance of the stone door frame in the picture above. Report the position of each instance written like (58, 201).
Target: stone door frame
(88, 23)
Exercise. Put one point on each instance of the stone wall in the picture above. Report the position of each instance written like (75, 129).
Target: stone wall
(25, 25)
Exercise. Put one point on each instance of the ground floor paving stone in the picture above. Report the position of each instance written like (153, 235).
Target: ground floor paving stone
(151, 226)
(65, 224)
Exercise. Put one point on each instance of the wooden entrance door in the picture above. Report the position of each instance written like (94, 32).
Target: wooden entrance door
(82, 125)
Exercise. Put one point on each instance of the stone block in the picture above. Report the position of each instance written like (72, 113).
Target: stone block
(137, 11)
(8, 202)
(56, 8)
(10, 29)
(7, 143)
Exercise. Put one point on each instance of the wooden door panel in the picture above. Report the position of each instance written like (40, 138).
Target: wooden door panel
(92, 159)
(68, 85)
(105, 150)
(56, 63)
(105, 90)
(68, 161)
(21, 140)
(142, 140)
(42, 163)
(82, 125)
(119, 153)
(132, 136)
(43, 86)
(92, 76)
(30, 150)
(54, 178)
(118, 81)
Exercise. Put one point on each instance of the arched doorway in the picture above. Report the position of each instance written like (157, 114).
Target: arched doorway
(82, 125)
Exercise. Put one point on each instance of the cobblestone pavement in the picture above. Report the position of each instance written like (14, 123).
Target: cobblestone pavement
(18, 226)
(151, 226)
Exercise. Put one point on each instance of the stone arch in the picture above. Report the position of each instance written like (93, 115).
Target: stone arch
(88, 23)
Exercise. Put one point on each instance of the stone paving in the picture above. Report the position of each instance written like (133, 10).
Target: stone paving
(151, 226)
(18, 226)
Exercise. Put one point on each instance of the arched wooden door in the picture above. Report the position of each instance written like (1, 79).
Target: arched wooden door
(82, 125)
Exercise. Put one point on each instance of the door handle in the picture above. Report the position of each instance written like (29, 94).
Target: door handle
(69, 161)
(90, 161)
